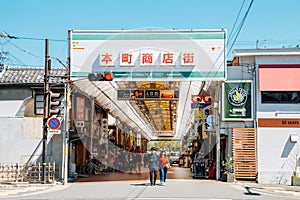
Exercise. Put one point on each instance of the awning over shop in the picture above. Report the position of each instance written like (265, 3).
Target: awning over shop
(280, 77)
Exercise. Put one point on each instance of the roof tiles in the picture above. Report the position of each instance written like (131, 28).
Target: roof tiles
(33, 75)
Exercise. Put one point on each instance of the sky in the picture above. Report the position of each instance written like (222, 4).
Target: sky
(274, 24)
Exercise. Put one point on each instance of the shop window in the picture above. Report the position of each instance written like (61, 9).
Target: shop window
(39, 104)
(280, 97)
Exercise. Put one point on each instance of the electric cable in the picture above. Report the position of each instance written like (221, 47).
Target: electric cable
(240, 26)
(229, 37)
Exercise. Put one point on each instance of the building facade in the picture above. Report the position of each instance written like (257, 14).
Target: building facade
(276, 79)
(272, 117)
(21, 116)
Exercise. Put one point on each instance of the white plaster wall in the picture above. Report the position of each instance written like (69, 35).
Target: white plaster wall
(19, 137)
(13, 146)
(276, 155)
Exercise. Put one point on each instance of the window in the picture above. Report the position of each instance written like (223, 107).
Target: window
(39, 104)
(280, 97)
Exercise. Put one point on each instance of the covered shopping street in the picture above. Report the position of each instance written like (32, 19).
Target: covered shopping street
(165, 87)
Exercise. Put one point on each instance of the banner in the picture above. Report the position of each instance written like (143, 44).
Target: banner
(149, 55)
(149, 94)
(80, 111)
(237, 100)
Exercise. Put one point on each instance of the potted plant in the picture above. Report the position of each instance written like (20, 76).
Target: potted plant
(295, 178)
(227, 168)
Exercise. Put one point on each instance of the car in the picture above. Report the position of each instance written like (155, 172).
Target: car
(174, 157)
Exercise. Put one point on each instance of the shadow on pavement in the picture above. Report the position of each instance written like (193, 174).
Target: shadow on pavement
(249, 192)
(140, 184)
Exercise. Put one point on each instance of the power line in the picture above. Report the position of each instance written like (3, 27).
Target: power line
(6, 35)
(8, 38)
(41, 39)
(24, 50)
(237, 17)
(240, 26)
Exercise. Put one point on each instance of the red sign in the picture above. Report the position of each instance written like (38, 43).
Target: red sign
(53, 123)
(202, 98)
(80, 104)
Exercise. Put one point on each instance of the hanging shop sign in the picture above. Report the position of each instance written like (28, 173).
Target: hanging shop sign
(237, 100)
(138, 139)
(148, 94)
(151, 55)
(164, 133)
(202, 99)
(80, 111)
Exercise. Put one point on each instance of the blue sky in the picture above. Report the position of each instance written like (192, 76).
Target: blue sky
(273, 23)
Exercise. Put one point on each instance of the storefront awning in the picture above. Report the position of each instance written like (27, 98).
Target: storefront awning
(282, 77)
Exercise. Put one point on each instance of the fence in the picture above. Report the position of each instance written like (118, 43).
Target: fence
(244, 153)
(22, 173)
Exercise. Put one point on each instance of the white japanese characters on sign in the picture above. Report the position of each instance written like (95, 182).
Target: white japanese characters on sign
(150, 54)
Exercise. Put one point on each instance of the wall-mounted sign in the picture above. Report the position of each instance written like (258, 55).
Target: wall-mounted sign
(141, 94)
(237, 100)
(154, 55)
(278, 122)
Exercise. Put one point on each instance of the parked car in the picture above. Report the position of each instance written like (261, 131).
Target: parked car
(174, 157)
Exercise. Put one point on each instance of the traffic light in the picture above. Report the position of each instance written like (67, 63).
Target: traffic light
(54, 103)
(106, 76)
(104, 128)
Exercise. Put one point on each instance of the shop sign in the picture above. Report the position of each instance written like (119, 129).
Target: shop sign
(148, 94)
(202, 99)
(138, 139)
(80, 111)
(154, 55)
(164, 133)
(237, 100)
(279, 122)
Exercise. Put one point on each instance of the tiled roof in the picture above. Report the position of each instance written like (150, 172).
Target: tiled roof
(23, 75)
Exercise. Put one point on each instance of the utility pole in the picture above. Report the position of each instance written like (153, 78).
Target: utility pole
(65, 138)
(2, 54)
(46, 110)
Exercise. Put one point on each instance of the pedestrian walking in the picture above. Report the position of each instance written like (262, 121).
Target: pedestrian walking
(153, 166)
(163, 164)
(138, 159)
(145, 159)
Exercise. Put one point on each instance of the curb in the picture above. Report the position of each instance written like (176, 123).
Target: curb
(282, 189)
(17, 188)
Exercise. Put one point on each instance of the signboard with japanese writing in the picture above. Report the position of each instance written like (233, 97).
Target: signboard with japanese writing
(150, 54)
(164, 133)
(237, 100)
(80, 111)
(148, 94)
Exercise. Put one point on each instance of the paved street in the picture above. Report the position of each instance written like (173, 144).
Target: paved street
(113, 186)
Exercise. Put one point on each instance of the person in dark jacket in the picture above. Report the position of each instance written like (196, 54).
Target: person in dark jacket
(153, 166)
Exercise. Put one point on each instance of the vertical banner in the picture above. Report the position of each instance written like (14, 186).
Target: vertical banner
(138, 139)
(237, 100)
(80, 105)
(131, 138)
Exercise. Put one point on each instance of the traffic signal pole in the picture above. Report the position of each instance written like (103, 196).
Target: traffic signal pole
(46, 111)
